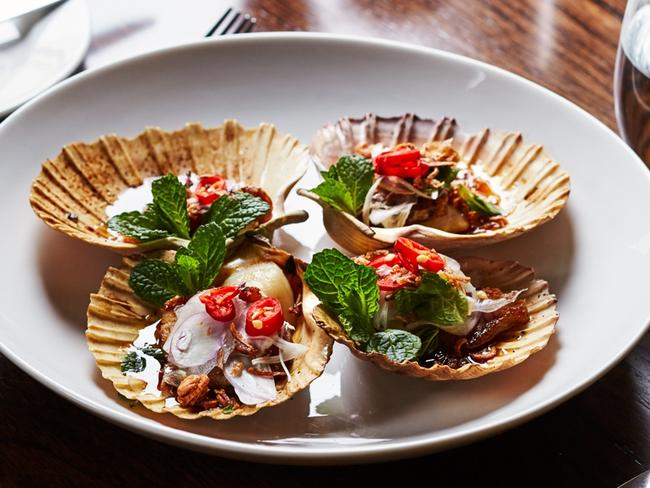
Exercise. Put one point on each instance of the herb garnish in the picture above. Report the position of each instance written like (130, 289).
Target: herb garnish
(194, 268)
(350, 291)
(155, 352)
(476, 203)
(135, 363)
(399, 345)
(170, 205)
(233, 213)
(167, 215)
(347, 289)
(434, 300)
(346, 183)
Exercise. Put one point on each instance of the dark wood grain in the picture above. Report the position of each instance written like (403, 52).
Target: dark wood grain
(599, 438)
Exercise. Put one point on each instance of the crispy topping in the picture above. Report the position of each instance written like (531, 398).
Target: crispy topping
(265, 374)
(237, 368)
(192, 389)
(241, 344)
(363, 149)
(250, 294)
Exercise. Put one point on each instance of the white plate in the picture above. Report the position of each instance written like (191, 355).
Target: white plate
(51, 50)
(595, 254)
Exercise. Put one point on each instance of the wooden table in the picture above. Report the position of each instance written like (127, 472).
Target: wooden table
(599, 438)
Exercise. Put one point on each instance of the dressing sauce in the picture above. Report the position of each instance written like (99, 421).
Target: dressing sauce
(138, 197)
(152, 367)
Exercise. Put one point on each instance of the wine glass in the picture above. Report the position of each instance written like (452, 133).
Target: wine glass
(632, 78)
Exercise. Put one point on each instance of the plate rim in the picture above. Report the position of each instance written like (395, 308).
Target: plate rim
(9, 110)
(346, 454)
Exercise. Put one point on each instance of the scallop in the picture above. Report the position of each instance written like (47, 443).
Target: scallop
(116, 316)
(514, 346)
(74, 189)
(268, 277)
(532, 184)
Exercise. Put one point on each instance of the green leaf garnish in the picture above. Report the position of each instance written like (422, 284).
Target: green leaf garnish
(348, 289)
(156, 281)
(133, 363)
(346, 183)
(188, 269)
(434, 300)
(398, 345)
(170, 205)
(142, 226)
(447, 174)
(208, 247)
(476, 203)
(234, 212)
(194, 268)
(155, 352)
(228, 409)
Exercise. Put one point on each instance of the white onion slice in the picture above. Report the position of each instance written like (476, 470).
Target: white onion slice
(195, 341)
(493, 304)
(284, 366)
(394, 216)
(367, 202)
(290, 350)
(380, 320)
(454, 267)
(250, 389)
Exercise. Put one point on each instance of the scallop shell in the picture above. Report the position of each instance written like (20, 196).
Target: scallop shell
(513, 348)
(73, 190)
(535, 184)
(116, 315)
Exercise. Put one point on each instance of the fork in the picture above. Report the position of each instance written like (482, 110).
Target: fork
(237, 23)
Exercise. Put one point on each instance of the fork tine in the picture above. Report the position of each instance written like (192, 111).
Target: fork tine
(243, 24)
(219, 22)
(251, 25)
(226, 30)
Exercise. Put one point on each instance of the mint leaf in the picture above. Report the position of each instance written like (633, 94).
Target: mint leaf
(133, 363)
(355, 316)
(188, 269)
(434, 300)
(194, 268)
(328, 272)
(234, 212)
(398, 345)
(357, 174)
(476, 203)
(336, 194)
(208, 247)
(170, 205)
(156, 281)
(141, 226)
(347, 289)
(347, 183)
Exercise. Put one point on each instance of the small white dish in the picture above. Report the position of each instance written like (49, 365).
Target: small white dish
(595, 254)
(49, 52)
